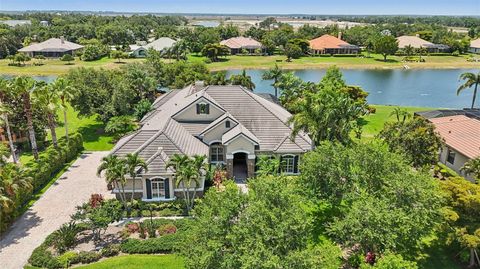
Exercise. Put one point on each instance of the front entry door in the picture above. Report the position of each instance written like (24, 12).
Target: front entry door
(240, 169)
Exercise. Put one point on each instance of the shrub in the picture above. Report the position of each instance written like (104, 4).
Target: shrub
(164, 244)
(95, 200)
(67, 259)
(132, 228)
(111, 250)
(67, 58)
(43, 258)
(64, 238)
(87, 257)
(167, 229)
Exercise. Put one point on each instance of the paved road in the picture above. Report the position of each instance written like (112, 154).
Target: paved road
(53, 209)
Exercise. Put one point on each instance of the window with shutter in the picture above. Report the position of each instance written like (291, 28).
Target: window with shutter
(148, 184)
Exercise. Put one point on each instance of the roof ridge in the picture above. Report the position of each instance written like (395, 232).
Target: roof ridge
(151, 139)
(288, 125)
(171, 140)
(126, 141)
(283, 141)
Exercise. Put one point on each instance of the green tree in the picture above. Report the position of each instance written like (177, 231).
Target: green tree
(242, 79)
(214, 51)
(115, 171)
(292, 51)
(409, 50)
(471, 80)
(118, 54)
(134, 163)
(274, 73)
(65, 92)
(267, 165)
(120, 125)
(472, 167)
(400, 114)
(416, 140)
(385, 45)
(463, 215)
(5, 89)
(47, 97)
(391, 261)
(23, 87)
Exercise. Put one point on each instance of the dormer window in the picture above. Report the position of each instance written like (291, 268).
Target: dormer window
(227, 124)
(203, 108)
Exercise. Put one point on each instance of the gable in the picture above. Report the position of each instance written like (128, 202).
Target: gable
(202, 109)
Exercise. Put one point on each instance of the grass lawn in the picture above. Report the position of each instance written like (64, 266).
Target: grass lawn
(139, 262)
(374, 122)
(57, 67)
(375, 62)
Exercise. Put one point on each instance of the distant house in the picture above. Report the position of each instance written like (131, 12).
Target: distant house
(474, 46)
(137, 51)
(461, 131)
(239, 44)
(231, 125)
(417, 43)
(140, 50)
(13, 23)
(327, 44)
(53, 47)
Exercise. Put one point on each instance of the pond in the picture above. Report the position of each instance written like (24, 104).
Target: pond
(414, 87)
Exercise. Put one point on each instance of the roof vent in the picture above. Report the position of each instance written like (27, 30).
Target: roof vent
(62, 39)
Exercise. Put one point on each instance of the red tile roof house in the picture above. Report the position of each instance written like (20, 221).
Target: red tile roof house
(229, 124)
(461, 131)
(238, 44)
(327, 44)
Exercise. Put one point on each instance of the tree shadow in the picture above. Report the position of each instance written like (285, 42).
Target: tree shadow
(20, 228)
(93, 132)
(387, 61)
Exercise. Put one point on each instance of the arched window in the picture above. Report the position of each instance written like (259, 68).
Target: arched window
(289, 164)
(216, 153)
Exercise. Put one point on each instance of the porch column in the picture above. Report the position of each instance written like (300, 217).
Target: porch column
(251, 166)
(229, 165)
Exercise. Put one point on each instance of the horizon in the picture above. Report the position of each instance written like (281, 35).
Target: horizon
(268, 7)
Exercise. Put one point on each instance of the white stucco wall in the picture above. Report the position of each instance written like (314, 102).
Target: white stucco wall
(458, 163)
(215, 134)
(240, 144)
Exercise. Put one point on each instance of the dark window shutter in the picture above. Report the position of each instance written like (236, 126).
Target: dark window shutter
(207, 109)
(295, 164)
(149, 188)
(227, 124)
(280, 167)
(167, 188)
(198, 108)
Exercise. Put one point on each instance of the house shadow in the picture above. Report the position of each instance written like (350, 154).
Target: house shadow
(20, 229)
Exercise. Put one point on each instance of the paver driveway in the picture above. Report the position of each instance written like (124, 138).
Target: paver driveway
(53, 209)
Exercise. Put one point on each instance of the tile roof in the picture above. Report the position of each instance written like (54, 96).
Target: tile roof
(161, 44)
(242, 42)
(475, 43)
(413, 41)
(236, 131)
(329, 42)
(52, 44)
(460, 133)
(217, 121)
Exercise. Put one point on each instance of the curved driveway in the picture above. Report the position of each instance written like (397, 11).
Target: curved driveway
(53, 209)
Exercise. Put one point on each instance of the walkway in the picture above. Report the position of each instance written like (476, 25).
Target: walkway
(53, 209)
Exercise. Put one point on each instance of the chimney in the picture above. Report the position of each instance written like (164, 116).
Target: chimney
(417, 35)
(62, 39)
(339, 35)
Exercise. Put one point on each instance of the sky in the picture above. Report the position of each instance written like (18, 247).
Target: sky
(323, 7)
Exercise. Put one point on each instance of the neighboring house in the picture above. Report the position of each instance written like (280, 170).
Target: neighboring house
(229, 124)
(417, 43)
(53, 47)
(140, 50)
(327, 44)
(474, 46)
(461, 131)
(239, 44)
(13, 23)
(137, 51)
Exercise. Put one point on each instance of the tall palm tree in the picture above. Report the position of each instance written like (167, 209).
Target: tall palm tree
(115, 171)
(4, 90)
(182, 165)
(65, 93)
(471, 80)
(400, 114)
(133, 163)
(47, 97)
(23, 87)
(274, 73)
(409, 50)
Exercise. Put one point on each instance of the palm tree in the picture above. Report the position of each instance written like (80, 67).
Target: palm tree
(243, 79)
(400, 114)
(4, 111)
(470, 80)
(12, 182)
(184, 175)
(65, 93)
(472, 167)
(421, 51)
(47, 97)
(274, 73)
(409, 50)
(133, 163)
(24, 86)
(115, 171)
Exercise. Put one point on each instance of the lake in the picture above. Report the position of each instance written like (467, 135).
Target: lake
(413, 87)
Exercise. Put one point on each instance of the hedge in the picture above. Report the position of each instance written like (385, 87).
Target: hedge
(163, 244)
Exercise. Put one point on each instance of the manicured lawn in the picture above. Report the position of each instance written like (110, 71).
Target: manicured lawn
(374, 122)
(57, 67)
(139, 262)
(374, 62)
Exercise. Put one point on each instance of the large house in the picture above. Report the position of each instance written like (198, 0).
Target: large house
(240, 44)
(416, 42)
(475, 46)
(230, 124)
(461, 131)
(327, 44)
(140, 50)
(53, 47)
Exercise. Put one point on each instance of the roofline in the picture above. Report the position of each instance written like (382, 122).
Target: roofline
(185, 107)
(213, 126)
(240, 134)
